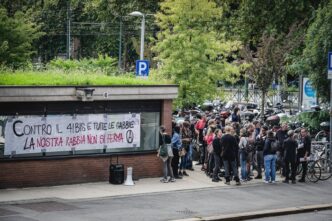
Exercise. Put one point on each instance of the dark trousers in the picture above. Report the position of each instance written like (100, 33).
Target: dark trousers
(260, 162)
(304, 167)
(291, 170)
(175, 162)
(216, 165)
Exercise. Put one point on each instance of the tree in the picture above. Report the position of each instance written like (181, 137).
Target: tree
(16, 39)
(318, 42)
(190, 52)
(262, 66)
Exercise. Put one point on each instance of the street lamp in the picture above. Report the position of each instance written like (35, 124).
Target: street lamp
(140, 14)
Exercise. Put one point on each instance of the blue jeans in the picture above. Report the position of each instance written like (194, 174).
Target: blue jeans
(243, 163)
(270, 167)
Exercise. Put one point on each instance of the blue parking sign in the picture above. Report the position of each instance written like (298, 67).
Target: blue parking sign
(142, 68)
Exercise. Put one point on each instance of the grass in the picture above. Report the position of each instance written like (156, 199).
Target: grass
(61, 78)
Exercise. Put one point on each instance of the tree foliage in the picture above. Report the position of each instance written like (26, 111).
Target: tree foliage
(318, 43)
(190, 51)
(16, 38)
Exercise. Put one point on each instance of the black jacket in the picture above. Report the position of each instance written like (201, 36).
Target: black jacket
(267, 147)
(306, 147)
(290, 147)
(168, 139)
(281, 137)
(228, 147)
(217, 145)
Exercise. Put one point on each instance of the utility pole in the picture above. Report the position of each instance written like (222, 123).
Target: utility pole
(68, 29)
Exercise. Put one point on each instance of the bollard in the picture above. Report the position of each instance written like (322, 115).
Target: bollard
(129, 180)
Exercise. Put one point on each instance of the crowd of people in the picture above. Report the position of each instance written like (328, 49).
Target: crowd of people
(225, 147)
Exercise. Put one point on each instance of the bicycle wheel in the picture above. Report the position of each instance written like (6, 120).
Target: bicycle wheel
(325, 165)
(314, 171)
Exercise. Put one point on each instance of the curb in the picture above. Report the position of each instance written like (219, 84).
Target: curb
(262, 214)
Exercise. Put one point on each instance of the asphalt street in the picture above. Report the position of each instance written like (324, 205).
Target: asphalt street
(172, 205)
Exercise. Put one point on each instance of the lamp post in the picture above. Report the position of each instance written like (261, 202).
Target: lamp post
(140, 14)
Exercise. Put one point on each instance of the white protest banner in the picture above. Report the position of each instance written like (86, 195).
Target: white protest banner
(34, 134)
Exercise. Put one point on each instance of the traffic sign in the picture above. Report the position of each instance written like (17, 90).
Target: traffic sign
(329, 66)
(142, 68)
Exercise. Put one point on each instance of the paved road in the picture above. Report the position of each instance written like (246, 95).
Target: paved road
(172, 205)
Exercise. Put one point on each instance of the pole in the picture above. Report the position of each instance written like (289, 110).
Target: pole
(68, 29)
(330, 126)
(142, 38)
(246, 87)
(120, 46)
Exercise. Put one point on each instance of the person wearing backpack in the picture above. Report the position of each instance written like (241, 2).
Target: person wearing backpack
(270, 158)
(243, 146)
(164, 139)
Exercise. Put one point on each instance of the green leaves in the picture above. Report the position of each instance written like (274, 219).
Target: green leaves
(317, 44)
(17, 36)
(190, 51)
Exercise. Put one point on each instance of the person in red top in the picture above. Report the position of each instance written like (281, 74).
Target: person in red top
(199, 127)
(209, 160)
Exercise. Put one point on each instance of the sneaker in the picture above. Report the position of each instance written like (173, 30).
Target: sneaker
(301, 181)
(215, 180)
(265, 181)
(238, 183)
(285, 181)
(273, 181)
(228, 183)
(258, 177)
(178, 177)
(164, 180)
(185, 173)
(180, 173)
(172, 180)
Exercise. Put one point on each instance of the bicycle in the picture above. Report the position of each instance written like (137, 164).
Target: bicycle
(314, 171)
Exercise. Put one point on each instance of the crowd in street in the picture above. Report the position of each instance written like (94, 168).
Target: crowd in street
(231, 150)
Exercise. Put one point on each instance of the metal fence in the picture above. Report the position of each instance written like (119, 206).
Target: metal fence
(254, 95)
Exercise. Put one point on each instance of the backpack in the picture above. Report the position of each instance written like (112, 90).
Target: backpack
(274, 146)
(163, 152)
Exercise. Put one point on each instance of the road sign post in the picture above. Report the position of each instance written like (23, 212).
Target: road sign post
(142, 68)
(329, 76)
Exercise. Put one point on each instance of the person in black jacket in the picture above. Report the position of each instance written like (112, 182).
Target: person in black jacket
(289, 147)
(216, 143)
(259, 144)
(303, 152)
(228, 155)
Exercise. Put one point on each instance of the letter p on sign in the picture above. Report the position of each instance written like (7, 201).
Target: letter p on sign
(142, 68)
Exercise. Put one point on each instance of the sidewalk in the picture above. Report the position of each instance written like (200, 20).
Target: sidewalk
(196, 180)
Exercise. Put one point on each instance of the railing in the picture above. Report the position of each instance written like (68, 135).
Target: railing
(254, 95)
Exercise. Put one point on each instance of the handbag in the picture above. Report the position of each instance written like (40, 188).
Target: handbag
(210, 148)
(169, 150)
(182, 152)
